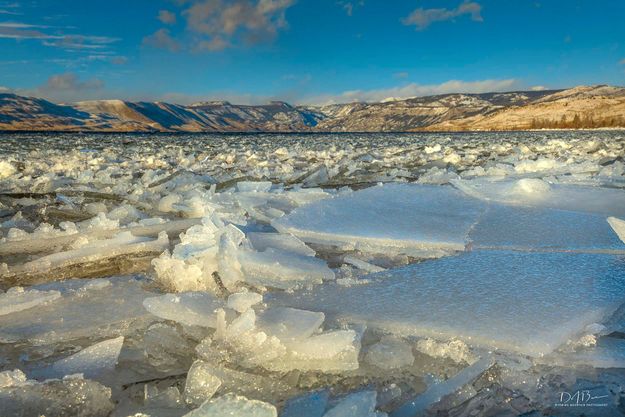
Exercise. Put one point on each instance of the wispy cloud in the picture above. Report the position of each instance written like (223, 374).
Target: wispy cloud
(350, 6)
(78, 42)
(214, 25)
(415, 90)
(167, 17)
(422, 18)
(54, 36)
(622, 61)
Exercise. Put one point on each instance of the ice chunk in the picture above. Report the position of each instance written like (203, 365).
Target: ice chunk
(479, 297)
(286, 242)
(254, 186)
(289, 324)
(608, 352)
(456, 350)
(390, 353)
(11, 378)
(618, 226)
(201, 384)
(110, 311)
(234, 406)
(280, 269)
(436, 392)
(394, 216)
(360, 264)
(330, 352)
(242, 301)
(90, 361)
(190, 309)
(537, 193)
(308, 405)
(17, 299)
(360, 404)
(56, 398)
(531, 228)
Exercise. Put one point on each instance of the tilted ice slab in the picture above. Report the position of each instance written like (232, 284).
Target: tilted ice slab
(544, 229)
(189, 309)
(524, 302)
(407, 217)
(538, 193)
(90, 361)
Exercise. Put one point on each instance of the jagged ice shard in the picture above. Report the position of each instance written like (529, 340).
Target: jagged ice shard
(528, 303)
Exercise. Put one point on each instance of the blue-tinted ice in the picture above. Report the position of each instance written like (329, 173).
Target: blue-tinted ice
(517, 301)
(413, 217)
(391, 216)
(544, 229)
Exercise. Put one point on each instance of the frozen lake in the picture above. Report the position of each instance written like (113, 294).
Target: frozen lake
(314, 274)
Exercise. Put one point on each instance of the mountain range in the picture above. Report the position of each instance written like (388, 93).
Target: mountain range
(578, 107)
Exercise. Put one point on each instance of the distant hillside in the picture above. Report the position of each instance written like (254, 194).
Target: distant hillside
(579, 107)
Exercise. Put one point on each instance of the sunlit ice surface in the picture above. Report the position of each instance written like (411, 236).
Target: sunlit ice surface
(312, 274)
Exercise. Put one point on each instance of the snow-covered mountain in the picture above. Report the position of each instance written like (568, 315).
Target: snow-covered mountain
(579, 107)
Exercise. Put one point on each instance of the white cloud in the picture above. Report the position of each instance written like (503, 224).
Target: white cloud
(415, 90)
(162, 39)
(66, 87)
(422, 18)
(215, 25)
(538, 88)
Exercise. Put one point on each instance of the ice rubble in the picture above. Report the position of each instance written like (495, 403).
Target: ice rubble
(223, 194)
(499, 299)
(72, 396)
(437, 391)
(234, 406)
(215, 248)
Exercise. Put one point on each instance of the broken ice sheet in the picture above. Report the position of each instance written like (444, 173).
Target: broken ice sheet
(405, 217)
(494, 299)
(609, 352)
(531, 228)
(73, 263)
(535, 192)
(83, 311)
(18, 299)
(280, 269)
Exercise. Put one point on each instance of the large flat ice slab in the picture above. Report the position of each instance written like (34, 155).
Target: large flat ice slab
(538, 193)
(392, 216)
(543, 229)
(524, 302)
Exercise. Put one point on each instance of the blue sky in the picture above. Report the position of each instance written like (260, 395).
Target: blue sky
(305, 51)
